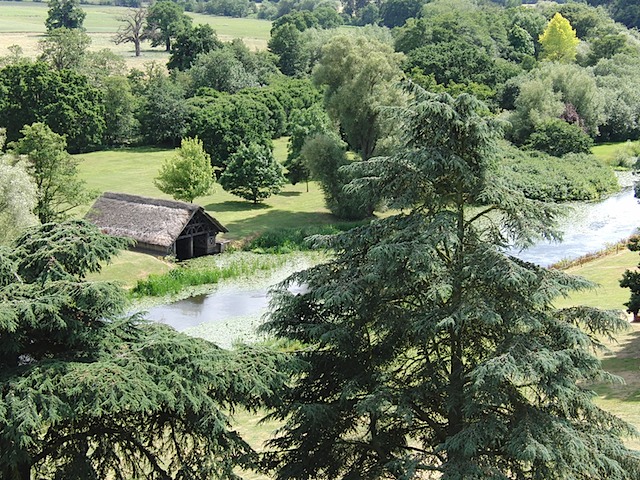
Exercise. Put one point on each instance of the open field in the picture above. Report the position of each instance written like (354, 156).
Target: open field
(133, 170)
(22, 23)
(608, 152)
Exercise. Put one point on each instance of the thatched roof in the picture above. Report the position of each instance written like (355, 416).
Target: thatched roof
(148, 220)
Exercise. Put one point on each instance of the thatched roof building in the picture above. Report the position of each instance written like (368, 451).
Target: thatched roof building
(159, 227)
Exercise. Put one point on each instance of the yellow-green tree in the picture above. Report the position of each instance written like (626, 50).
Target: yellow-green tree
(559, 41)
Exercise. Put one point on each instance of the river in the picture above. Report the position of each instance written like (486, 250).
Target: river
(230, 312)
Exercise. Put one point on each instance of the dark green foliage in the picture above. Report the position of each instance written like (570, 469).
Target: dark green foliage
(287, 240)
(89, 393)
(557, 137)
(459, 62)
(286, 42)
(550, 179)
(252, 173)
(54, 172)
(324, 157)
(64, 100)
(277, 123)
(165, 20)
(163, 114)
(64, 14)
(223, 122)
(191, 42)
(428, 351)
(230, 8)
(626, 12)
(300, 19)
(395, 12)
(631, 280)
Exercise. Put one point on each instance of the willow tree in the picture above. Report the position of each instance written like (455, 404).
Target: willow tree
(430, 351)
(89, 392)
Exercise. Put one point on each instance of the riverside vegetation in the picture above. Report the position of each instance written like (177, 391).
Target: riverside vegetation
(563, 76)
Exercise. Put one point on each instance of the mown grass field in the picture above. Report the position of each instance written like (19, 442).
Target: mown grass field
(22, 23)
(133, 170)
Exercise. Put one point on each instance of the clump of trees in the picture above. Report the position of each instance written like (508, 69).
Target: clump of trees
(427, 350)
(89, 391)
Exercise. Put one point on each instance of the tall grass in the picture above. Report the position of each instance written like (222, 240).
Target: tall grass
(206, 271)
(287, 240)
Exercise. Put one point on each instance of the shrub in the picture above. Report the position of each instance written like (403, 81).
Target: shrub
(557, 137)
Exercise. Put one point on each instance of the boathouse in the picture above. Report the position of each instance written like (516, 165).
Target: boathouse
(159, 227)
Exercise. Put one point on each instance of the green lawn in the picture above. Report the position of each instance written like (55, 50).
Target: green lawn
(22, 23)
(133, 170)
(606, 272)
(607, 152)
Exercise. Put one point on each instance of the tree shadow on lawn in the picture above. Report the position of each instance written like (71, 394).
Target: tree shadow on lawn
(624, 361)
(277, 219)
(289, 194)
(235, 206)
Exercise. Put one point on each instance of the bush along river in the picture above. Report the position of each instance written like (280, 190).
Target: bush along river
(231, 311)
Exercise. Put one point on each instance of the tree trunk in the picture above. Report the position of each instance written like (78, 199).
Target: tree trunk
(137, 45)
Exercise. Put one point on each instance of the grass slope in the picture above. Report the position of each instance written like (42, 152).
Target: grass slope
(133, 170)
(22, 23)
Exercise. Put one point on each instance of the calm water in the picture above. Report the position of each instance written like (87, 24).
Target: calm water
(232, 312)
(589, 227)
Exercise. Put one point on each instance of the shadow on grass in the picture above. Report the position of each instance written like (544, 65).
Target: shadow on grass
(289, 194)
(232, 206)
(625, 363)
(277, 219)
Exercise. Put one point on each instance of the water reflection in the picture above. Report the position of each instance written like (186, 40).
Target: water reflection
(234, 310)
(587, 228)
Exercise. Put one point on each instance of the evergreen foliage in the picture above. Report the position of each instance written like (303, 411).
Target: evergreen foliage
(90, 393)
(188, 174)
(429, 351)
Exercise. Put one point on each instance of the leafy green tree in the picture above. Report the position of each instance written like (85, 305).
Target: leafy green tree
(53, 170)
(221, 70)
(190, 43)
(224, 122)
(64, 48)
(286, 42)
(324, 156)
(557, 137)
(64, 14)
(559, 41)
(17, 197)
(91, 392)
(631, 280)
(395, 12)
(132, 29)
(165, 20)
(428, 351)
(188, 174)
(619, 85)
(304, 124)
(162, 114)
(359, 76)
(253, 173)
(121, 125)
(64, 100)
